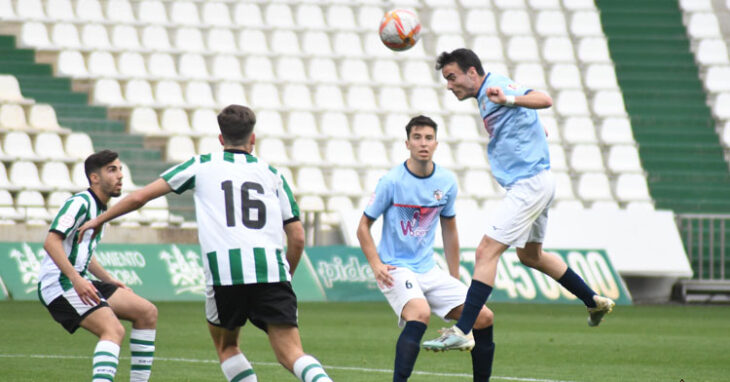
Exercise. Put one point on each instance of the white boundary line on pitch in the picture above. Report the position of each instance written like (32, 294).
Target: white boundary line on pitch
(191, 360)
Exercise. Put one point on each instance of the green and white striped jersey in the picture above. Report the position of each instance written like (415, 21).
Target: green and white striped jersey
(76, 211)
(241, 206)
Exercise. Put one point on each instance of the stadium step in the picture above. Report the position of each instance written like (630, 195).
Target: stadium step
(73, 111)
(672, 124)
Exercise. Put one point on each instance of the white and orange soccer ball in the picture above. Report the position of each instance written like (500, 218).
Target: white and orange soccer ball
(400, 29)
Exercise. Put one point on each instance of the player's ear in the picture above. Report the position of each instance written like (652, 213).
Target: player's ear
(252, 139)
(220, 139)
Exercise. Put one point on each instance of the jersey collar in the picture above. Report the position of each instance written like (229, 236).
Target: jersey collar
(236, 151)
(482, 85)
(405, 164)
(101, 206)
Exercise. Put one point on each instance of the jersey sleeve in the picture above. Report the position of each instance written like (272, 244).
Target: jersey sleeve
(510, 87)
(449, 211)
(182, 177)
(289, 206)
(381, 199)
(69, 216)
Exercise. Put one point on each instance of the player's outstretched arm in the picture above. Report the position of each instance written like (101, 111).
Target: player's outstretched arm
(367, 244)
(451, 244)
(131, 202)
(84, 288)
(532, 100)
(294, 243)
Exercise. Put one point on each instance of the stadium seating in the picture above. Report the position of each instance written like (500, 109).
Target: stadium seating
(328, 95)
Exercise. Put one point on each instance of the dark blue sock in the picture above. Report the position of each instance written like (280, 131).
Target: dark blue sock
(406, 350)
(483, 354)
(476, 297)
(572, 282)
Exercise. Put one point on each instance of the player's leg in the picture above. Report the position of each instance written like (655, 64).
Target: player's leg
(482, 355)
(415, 314)
(234, 364)
(272, 307)
(143, 314)
(287, 346)
(532, 255)
(485, 270)
(225, 313)
(72, 313)
(105, 325)
(409, 303)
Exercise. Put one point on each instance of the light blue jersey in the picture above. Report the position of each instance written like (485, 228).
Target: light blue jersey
(412, 206)
(517, 147)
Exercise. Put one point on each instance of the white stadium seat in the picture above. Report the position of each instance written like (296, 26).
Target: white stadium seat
(12, 117)
(586, 23)
(624, 158)
(43, 117)
(78, 146)
(33, 207)
(345, 181)
(515, 23)
(594, 186)
(558, 49)
(703, 25)
(616, 130)
(17, 144)
(551, 23)
(712, 51)
(179, 149)
(632, 187)
(143, 120)
(56, 175)
(49, 146)
(586, 157)
(174, 121)
(579, 130)
(71, 64)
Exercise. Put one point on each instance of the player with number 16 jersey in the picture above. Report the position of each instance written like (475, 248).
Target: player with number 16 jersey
(238, 247)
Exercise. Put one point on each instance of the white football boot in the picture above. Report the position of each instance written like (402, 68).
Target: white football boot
(604, 306)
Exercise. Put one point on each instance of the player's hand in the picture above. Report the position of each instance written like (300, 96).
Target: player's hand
(92, 224)
(496, 95)
(382, 274)
(87, 292)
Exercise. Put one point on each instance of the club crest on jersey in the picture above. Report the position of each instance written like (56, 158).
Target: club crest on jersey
(438, 195)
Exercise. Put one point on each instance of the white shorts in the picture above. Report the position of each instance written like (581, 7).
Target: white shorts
(522, 215)
(442, 292)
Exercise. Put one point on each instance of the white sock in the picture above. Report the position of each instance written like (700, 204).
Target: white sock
(308, 369)
(142, 346)
(237, 368)
(106, 360)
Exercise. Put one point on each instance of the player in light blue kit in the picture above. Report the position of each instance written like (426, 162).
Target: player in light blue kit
(519, 158)
(413, 197)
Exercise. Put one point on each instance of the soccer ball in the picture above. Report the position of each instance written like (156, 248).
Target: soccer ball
(400, 29)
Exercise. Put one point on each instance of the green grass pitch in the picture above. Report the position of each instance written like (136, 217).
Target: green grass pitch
(356, 342)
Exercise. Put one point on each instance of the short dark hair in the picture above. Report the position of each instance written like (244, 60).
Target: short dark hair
(465, 58)
(236, 124)
(420, 120)
(97, 161)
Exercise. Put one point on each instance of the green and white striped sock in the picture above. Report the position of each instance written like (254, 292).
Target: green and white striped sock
(106, 360)
(238, 369)
(308, 369)
(142, 345)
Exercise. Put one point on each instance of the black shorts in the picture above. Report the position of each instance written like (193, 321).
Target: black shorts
(230, 306)
(70, 313)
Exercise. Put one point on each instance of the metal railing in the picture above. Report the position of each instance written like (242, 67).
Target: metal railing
(705, 239)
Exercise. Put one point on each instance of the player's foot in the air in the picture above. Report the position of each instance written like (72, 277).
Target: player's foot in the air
(604, 306)
(451, 339)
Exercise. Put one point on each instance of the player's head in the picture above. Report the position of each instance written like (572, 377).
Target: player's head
(104, 172)
(236, 123)
(463, 72)
(421, 133)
